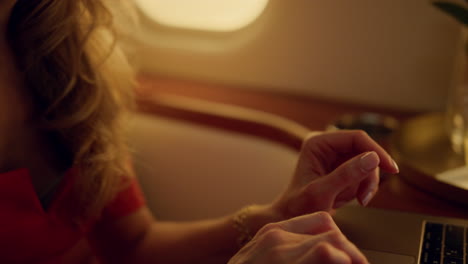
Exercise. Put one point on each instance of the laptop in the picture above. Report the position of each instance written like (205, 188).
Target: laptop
(393, 237)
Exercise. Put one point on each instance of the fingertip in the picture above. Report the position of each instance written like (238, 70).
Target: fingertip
(369, 161)
(365, 200)
(390, 166)
(395, 166)
(342, 257)
(361, 258)
(368, 188)
(326, 253)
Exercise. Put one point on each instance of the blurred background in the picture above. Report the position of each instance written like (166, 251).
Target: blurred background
(266, 72)
(391, 53)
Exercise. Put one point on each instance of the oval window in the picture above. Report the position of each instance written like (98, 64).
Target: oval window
(213, 15)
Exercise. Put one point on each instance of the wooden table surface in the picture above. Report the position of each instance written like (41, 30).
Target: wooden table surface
(315, 114)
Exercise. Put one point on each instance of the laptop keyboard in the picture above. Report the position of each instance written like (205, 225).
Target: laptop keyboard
(444, 244)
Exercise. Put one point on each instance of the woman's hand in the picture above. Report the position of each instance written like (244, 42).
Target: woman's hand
(313, 238)
(334, 168)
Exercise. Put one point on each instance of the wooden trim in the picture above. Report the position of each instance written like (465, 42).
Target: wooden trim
(228, 117)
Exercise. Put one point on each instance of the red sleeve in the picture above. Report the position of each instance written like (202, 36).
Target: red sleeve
(126, 201)
(102, 240)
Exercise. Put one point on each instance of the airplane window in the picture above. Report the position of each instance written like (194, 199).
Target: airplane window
(212, 15)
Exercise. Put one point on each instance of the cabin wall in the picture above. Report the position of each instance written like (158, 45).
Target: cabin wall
(393, 53)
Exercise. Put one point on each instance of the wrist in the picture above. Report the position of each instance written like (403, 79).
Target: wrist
(252, 218)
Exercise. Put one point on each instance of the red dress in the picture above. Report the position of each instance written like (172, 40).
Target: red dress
(30, 234)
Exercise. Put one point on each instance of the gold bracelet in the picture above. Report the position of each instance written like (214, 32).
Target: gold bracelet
(239, 223)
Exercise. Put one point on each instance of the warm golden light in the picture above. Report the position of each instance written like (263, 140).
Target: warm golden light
(213, 15)
(457, 177)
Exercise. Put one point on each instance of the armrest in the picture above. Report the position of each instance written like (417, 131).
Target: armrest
(229, 117)
(197, 159)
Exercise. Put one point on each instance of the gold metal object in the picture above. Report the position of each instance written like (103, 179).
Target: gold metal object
(423, 150)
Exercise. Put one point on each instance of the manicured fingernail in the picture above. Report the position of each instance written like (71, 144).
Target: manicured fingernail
(395, 165)
(369, 161)
(367, 198)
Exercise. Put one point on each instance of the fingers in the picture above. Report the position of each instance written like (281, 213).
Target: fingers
(364, 191)
(356, 178)
(351, 173)
(368, 188)
(345, 196)
(363, 142)
(352, 141)
(340, 242)
(322, 225)
(313, 238)
(311, 224)
(325, 253)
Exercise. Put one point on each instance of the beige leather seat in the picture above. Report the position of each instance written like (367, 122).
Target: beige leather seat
(192, 169)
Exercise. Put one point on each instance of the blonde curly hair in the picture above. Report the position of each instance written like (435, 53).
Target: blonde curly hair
(81, 84)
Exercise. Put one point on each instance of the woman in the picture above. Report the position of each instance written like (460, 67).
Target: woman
(67, 194)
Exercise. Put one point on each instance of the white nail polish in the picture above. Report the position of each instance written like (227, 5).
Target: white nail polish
(367, 198)
(396, 166)
(369, 161)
